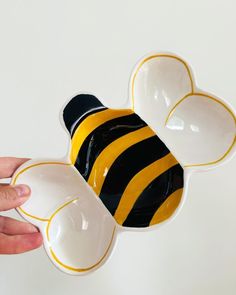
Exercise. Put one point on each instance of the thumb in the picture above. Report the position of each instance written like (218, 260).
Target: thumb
(13, 196)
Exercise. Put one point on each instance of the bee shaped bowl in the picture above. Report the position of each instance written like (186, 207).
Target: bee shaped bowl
(127, 169)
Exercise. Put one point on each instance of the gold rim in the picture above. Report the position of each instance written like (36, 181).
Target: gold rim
(87, 268)
(156, 56)
(13, 182)
(221, 103)
(53, 255)
(185, 97)
(54, 213)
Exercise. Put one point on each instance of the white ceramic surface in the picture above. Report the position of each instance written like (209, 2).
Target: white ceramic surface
(78, 231)
(198, 128)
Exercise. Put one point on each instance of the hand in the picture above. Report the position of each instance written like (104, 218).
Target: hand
(15, 236)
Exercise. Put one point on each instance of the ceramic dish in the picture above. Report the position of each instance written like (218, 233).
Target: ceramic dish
(126, 169)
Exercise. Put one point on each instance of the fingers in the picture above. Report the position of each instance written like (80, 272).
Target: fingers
(19, 243)
(9, 165)
(15, 236)
(11, 226)
(13, 196)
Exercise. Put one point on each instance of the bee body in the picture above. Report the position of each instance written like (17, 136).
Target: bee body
(129, 168)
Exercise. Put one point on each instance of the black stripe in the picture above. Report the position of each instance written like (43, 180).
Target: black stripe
(83, 117)
(78, 106)
(153, 196)
(129, 163)
(101, 137)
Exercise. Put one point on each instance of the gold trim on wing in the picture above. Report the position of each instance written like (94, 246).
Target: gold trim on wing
(87, 268)
(32, 216)
(51, 217)
(54, 213)
(110, 154)
(157, 56)
(139, 182)
(167, 208)
(14, 179)
(221, 103)
(89, 124)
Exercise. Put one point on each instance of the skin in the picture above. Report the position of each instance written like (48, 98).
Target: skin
(15, 236)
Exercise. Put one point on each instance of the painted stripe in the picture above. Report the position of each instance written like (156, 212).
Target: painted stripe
(153, 196)
(126, 166)
(83, 117)
(101, 137)
(91, 123)
(77, 107)
(110, 154)
(167, 208)
(138, 184)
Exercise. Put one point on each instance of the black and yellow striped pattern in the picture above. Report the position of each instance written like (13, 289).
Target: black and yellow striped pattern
(123, 160)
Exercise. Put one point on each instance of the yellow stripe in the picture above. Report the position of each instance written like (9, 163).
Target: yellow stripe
(139, 182)
(89, 124)
(167, 208)
(111, 152)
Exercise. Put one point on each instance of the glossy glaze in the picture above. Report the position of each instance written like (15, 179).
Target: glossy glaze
(199, 128)
(127, 169)
(78, 231)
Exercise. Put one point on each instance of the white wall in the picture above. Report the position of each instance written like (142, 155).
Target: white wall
(50, 50)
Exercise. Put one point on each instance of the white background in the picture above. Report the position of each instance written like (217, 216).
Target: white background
(49, 51)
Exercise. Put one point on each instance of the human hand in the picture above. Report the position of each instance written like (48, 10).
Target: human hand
(15, 236)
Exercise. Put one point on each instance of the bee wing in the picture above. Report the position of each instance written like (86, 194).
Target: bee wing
(71, 219)
(52, 183)
(198, 128)
(157, 84)
(201, 130)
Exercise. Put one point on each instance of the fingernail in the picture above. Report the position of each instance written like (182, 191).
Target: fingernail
(33, 229)
(22, 190)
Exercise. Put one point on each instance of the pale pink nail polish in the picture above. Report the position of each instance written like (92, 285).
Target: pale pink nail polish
(22, 190)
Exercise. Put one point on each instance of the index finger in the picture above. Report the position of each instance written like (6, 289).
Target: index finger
(8, 165)
(19, 243)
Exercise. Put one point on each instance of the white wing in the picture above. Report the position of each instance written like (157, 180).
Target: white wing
(198, 128)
